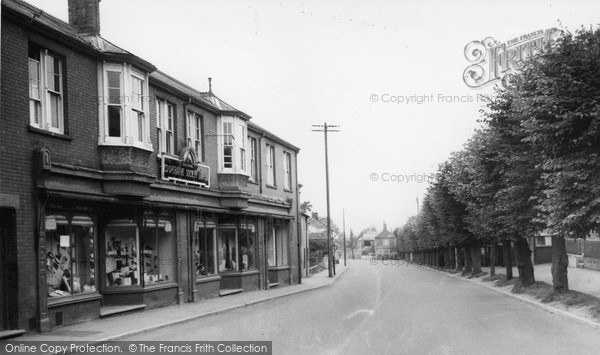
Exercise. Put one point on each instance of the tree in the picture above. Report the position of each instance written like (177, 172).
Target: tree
(306, 206)
(352, 243)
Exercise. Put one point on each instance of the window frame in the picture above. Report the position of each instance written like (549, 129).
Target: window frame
(44, 92)
(287, 171)
(253, 159)
(134, 117)
(270, 162)
(195, 133)
(165, 127)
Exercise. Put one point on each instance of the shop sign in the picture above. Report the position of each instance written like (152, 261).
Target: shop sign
(493, 61)
(185, 169)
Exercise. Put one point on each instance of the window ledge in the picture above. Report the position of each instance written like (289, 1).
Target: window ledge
(207, 278)
(49, 133)
(288, 190)
(253, 182)
(280, 267)
(138, 288)
(271, 186)
(77, 298)
(132, 145)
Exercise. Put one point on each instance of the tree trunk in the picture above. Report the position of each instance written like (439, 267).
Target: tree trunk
(493, 258)
(468, 265)
(450, 264)
(560, 262)
(508, 259)
(524, 264)
(475, 260)
(458, 260)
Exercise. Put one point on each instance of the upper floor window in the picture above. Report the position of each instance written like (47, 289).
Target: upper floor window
(253, 159)
(194, 133)
(287, 171)
(271, 165)
(46, 101)
(232, 139)
(124, 113)
(165, 116)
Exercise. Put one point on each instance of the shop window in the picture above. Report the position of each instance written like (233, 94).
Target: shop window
(158, 256)
(277, 246)
(228, 255)
(70, 257)
(247, 240)
(204, 244)
(122, 253)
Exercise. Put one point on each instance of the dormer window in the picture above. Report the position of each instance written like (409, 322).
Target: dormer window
(232, 145)
(124, 107)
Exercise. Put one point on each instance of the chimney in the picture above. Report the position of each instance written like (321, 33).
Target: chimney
(84, 15)
(315, 215)
(384, 226)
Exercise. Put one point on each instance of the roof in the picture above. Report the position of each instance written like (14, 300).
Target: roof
(369, 235)
(385, 234)
(256, 128)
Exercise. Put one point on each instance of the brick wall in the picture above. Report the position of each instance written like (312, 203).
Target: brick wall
(18, 142)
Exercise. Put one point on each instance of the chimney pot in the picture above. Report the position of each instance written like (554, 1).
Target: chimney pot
(84, 15)
(315, 215)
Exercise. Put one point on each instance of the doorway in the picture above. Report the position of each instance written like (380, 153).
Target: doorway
(7, 234)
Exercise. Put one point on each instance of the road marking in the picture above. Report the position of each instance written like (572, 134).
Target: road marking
(367, 311)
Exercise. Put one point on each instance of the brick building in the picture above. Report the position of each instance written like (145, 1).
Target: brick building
(123, 188)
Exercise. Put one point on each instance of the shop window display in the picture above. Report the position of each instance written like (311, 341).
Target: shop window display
(122, 258)
(228, 256)
(70, 261)
(204, 247)
(247, 241)
(158, 251)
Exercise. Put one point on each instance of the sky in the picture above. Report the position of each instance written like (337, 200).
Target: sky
(292, 64)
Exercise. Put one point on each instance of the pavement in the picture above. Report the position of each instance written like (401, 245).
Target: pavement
(581, 280)
(128, 324)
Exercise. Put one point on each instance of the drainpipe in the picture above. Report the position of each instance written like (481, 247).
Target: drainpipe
(298, 221)
(260, 166)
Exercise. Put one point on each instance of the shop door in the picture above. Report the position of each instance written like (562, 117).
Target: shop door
(7, 232)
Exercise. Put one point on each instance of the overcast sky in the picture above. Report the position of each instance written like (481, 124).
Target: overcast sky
(291, 64)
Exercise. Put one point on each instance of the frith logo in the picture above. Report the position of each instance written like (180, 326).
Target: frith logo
(493, 61)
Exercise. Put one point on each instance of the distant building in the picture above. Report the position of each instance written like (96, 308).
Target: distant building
(367, 240)
(385, 242)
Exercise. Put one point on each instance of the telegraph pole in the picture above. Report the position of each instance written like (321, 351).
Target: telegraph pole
(327, 128)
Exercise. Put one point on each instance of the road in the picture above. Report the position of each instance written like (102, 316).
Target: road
(391, 309)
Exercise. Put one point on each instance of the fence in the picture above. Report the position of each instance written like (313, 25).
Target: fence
(590, 248)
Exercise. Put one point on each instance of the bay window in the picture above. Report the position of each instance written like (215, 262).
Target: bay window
(124, 110)
(46, 101)
(232, 141)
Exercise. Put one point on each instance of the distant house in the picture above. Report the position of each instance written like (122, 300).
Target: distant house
(367, 239)
(385, 242)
